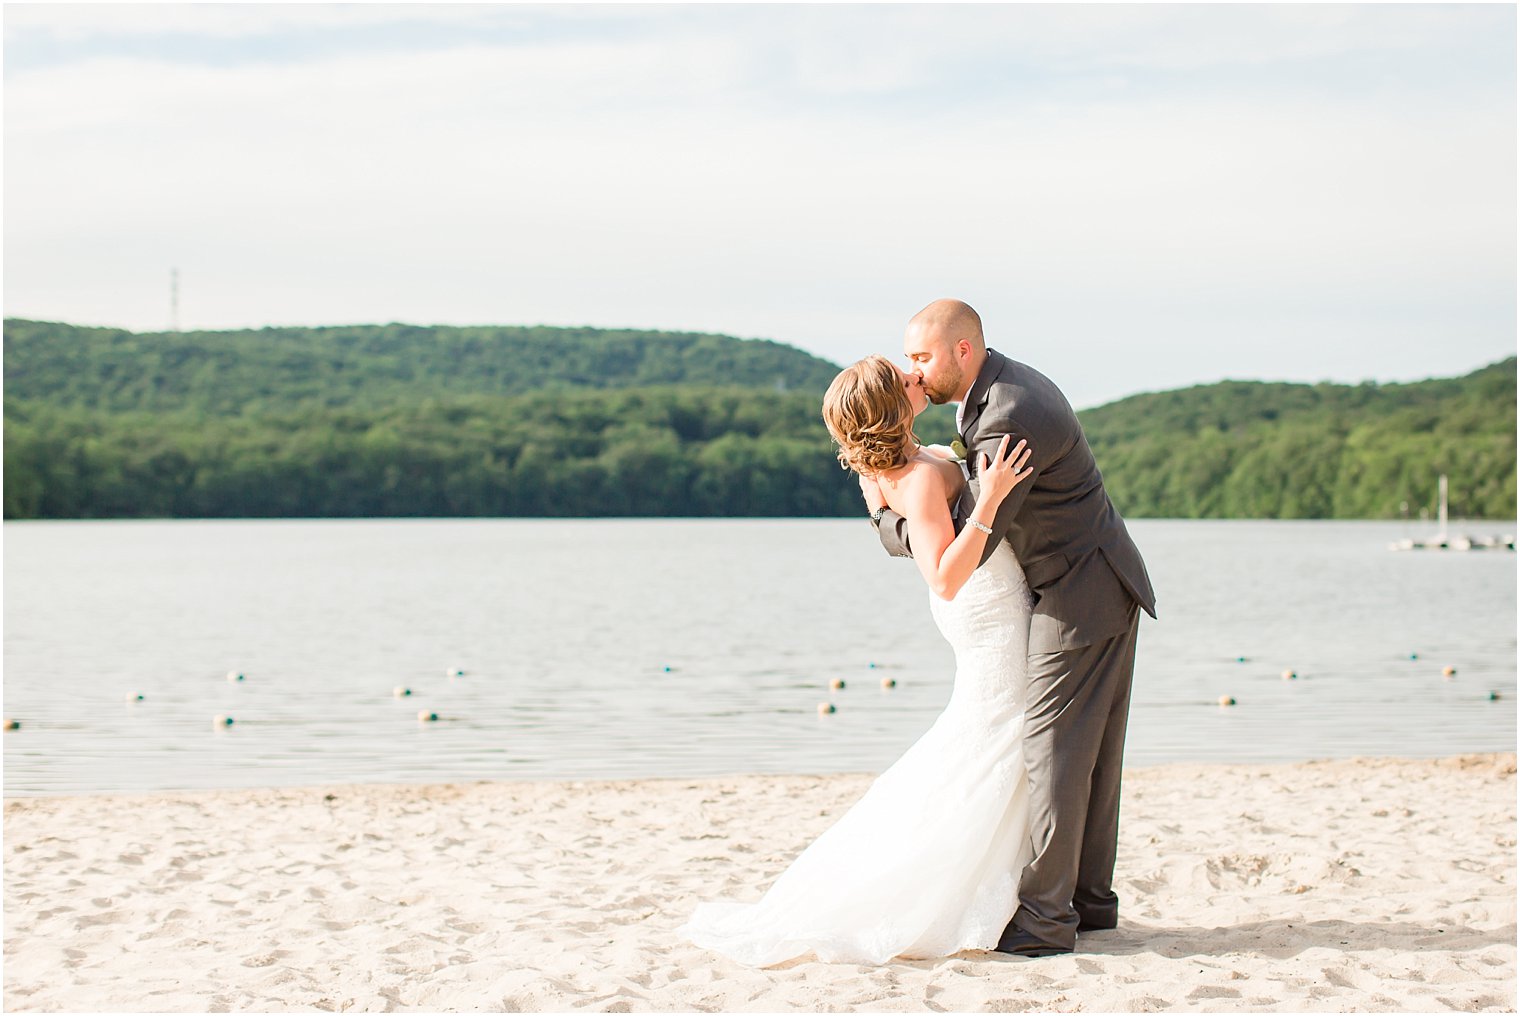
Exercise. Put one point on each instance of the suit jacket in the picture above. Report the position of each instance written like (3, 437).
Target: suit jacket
(1084, 570)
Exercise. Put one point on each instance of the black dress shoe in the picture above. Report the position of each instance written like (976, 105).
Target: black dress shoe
(1018, 942)
(1084, 926)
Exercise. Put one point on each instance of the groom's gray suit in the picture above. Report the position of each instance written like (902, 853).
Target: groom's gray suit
(1089, 584)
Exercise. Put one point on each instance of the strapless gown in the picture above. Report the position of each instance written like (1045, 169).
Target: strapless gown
(926, 864)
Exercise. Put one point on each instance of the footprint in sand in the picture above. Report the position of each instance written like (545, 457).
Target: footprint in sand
(111, 917)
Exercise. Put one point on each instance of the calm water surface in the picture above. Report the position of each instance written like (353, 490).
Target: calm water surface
(632, 648)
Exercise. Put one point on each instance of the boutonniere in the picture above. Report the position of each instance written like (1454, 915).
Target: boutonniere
(959, 448)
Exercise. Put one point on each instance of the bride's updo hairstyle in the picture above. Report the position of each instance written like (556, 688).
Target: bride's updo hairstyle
(869, 416)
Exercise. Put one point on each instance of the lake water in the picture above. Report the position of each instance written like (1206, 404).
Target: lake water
(634, 648)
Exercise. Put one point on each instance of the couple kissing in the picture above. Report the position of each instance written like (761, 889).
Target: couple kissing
(998, 828)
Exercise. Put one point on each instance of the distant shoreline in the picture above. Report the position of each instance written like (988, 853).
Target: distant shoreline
(408, 421)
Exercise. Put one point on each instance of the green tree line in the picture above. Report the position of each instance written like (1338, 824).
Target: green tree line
(1257, 450)
(232, 372)
(631, 452)
(407, 421)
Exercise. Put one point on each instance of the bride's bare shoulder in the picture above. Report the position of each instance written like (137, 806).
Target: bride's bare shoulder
(920, 475)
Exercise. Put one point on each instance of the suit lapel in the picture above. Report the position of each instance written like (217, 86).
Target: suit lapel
(976, 398)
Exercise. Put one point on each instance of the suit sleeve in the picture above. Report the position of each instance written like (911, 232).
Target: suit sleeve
(894, 534)
(989, 434)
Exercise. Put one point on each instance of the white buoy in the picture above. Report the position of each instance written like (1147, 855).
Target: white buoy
(426, 717)
(221, 721)
(133, 696)
(400, 691)
(888, 682)
(1290, 675)
(455, 672)
(233, 675)
(1227, 700)
(837, 684)
(825, 708)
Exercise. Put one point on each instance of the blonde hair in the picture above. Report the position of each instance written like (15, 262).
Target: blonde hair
(869, 416)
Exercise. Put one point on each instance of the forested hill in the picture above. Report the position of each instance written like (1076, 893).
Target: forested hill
(398, 420)
(228, 372)
(1241, 449)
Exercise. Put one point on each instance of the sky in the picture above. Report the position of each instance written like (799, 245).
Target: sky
(1135, 198)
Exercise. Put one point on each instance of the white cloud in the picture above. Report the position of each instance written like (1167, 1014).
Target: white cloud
(678, 179)
(73, 22)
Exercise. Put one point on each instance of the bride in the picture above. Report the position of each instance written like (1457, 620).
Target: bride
(926, 864)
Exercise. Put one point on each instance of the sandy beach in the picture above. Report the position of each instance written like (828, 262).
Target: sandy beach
(1367, 885)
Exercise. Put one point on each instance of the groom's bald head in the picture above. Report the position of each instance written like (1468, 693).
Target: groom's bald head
(949, 322)
(944, 343)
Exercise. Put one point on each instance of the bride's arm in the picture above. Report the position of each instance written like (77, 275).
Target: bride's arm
(945, 558)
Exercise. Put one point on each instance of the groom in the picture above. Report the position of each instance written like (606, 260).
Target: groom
(1089, 584)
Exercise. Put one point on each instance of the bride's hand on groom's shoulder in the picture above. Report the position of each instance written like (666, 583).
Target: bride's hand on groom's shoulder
(1006, 469)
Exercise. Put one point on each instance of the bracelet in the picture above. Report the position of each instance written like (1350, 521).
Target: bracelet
(978, 525)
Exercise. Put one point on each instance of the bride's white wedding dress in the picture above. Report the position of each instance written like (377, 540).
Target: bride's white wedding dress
(926, 863)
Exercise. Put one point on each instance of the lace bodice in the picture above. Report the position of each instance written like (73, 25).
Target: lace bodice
(987, 625)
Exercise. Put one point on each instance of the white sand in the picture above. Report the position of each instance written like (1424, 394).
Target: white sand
(1332, 886)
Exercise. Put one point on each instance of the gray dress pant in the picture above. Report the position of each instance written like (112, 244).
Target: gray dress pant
(1076, 714)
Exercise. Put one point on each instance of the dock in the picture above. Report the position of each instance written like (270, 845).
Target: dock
(1457, 543)
(1441, 541)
